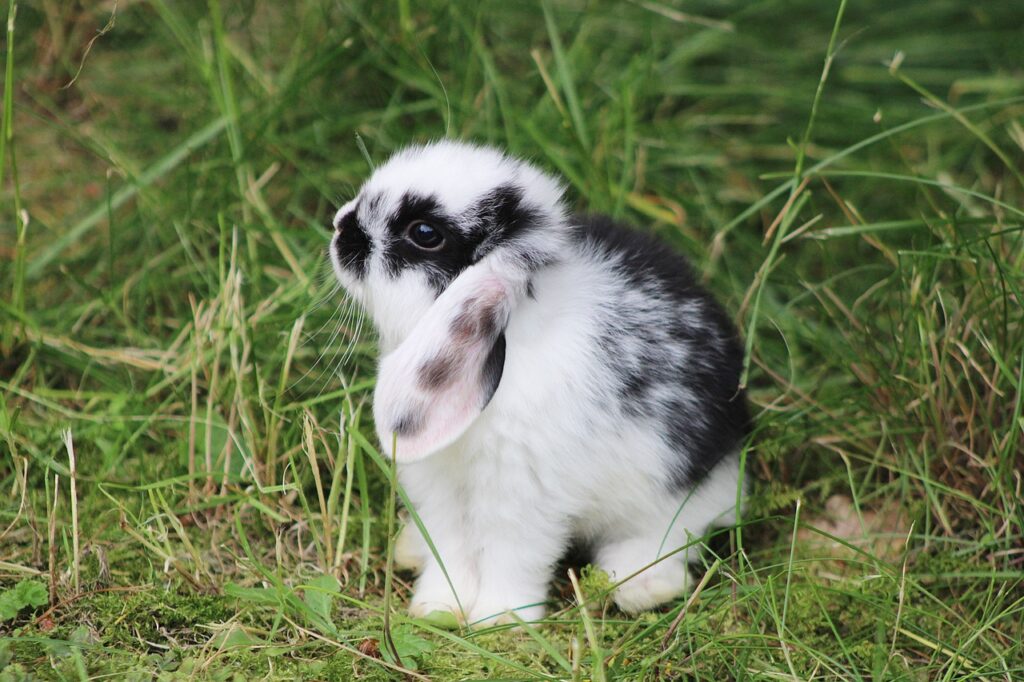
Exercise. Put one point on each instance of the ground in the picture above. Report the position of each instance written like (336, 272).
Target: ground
(845, 175)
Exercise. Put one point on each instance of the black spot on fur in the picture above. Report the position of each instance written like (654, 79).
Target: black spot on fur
(644, 255)
(464, 325)
(487, 321)
(351, 245)
(438, 372)
(494, 367)
(475, 322)
(708, 418)
(503, 219)
(408, 424)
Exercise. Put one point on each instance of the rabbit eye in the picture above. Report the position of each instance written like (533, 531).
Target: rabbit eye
(425, 236)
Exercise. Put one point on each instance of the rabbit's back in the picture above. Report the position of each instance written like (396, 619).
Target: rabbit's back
(619, 338)
(675, 352)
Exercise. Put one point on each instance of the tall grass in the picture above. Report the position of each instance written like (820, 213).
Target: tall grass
(845, 175)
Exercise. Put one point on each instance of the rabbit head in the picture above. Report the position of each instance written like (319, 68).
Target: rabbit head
(429, 213)
(439, 247)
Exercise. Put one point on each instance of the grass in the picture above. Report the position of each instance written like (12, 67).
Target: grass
(846, 176)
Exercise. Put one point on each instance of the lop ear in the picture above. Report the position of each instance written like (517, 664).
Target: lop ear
(441, 377)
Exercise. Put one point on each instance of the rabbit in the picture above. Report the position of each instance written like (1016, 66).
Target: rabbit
(544, 379)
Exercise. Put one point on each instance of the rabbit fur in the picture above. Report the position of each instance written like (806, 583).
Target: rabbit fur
(545, 379)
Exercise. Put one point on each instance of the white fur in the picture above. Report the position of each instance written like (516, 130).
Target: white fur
(458, 174)
(554, 455)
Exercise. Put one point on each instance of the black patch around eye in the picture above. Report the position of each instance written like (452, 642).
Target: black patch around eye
(498, 219)
(443, 264)
(351, 245)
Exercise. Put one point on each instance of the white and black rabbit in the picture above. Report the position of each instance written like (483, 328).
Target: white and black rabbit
(546, 380)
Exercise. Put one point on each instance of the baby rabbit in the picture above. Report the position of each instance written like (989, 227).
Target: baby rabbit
(544, 379)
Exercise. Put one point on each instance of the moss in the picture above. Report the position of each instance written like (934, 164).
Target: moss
(154, 616)
(15, 673)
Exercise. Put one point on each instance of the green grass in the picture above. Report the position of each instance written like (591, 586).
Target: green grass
(165, 298)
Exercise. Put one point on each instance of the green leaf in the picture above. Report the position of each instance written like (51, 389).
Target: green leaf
(234, 636)
(31, 593)
(409, 645)
(25, 593)
(445, 620)
(8, 606)
(320, 593)
(256, 595)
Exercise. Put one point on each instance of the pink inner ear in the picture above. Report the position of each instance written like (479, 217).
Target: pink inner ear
(442, 425)
(432, 387)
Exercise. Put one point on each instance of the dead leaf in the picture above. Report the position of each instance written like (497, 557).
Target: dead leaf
(882, 534)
